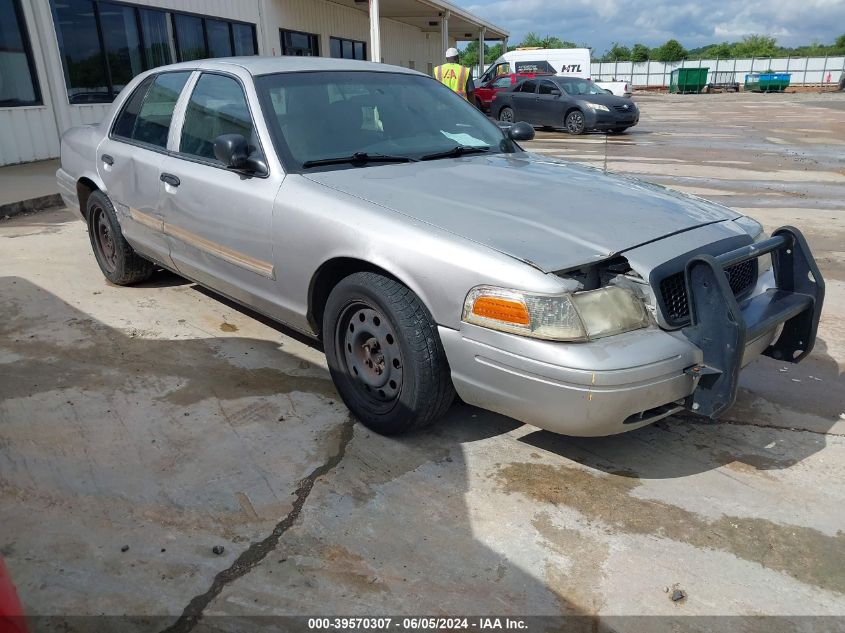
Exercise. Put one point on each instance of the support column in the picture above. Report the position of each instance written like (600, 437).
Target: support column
(444, 33)
(481, 51)
(375, 32)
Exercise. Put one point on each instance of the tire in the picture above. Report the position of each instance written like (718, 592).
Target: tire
(575, 123)
(118, 261)
(506, 115)
(384, 354)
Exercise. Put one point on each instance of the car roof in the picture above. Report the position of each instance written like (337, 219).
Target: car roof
(267, 65)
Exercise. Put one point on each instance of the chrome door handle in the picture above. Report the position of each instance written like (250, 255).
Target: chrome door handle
(170, 179)
(108, 160)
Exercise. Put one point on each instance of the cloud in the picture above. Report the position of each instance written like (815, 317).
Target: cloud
(598, 23)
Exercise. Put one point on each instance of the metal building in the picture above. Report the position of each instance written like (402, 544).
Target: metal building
(63, 61)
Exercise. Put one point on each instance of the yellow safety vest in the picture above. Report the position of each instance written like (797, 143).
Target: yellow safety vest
(453, 76)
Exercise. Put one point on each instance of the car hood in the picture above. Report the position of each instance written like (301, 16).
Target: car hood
(551, 213)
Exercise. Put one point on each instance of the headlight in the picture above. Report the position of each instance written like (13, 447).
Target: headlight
(752, 227)
(581, 316)
(755, 230)
(597, 106)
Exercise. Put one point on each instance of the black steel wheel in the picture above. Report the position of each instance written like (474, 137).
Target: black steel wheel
(372, 353)
(118, 261)
(506, 115)
(575, 123)
(385, 355)
(104, 242)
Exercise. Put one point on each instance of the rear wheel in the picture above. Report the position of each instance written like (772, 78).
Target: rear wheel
(118, 261)
(506, 115)
(575, 123)
(384, 354)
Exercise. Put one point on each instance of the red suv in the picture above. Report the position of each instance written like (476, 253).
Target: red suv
(486, 92)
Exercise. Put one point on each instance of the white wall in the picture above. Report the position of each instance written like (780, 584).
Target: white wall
(809, 70)
(29, 133)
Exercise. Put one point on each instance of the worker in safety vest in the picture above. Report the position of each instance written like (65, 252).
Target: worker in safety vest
(454, 76)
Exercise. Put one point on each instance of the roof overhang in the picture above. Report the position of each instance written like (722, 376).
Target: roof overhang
(427, 15)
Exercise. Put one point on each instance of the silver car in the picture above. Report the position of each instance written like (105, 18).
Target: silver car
(370, 207)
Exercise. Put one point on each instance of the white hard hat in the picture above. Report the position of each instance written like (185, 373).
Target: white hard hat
(452, 52)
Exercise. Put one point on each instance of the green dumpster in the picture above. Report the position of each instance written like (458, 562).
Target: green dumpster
(688, 80)
(767, 82)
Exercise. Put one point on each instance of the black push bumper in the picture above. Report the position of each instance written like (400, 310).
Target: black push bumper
(721, 327)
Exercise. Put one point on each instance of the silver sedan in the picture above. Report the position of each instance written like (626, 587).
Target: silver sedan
(368, 206)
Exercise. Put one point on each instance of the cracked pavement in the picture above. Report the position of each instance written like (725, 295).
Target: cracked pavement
(166, 419)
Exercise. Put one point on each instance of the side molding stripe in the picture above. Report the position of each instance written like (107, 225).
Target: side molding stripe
(258, 266)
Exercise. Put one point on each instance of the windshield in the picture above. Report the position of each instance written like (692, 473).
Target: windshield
(575, 86)
(315, 116)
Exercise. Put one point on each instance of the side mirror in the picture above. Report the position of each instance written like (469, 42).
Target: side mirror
(521, 131)
(555, 93)
(232, 150)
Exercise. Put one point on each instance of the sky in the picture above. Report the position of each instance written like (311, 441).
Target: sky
(599, 23)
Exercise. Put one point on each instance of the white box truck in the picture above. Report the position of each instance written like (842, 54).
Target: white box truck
(559, 61)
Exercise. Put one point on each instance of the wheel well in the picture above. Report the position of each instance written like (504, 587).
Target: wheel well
(570, 111)
(327, 277)
(84, 188)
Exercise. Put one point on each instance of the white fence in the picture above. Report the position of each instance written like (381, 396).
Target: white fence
(805, 70)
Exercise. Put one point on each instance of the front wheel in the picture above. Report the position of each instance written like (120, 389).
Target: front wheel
(384, 354)
(506, 115)
(575, 123)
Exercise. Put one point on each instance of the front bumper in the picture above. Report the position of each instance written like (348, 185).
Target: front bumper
(601, 120)
(623, 382)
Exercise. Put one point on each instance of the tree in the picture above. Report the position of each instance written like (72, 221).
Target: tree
(839, 45)
(617, 52)
(719, 50)
(756, 46)
(532, 40)
(469, 56)
(670, 51)
(640, 53)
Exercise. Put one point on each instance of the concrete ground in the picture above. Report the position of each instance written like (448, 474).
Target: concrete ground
(161, 418)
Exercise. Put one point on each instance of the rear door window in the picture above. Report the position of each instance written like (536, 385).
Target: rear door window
(529, 85)
(147, 114)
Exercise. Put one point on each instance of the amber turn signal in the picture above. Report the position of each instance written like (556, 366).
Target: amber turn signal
(501, 309)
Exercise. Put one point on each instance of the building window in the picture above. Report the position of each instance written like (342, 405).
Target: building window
(18, 81)
(348, 49)
(243, 36)
(105, 44)
(122, 43)
(299, 44)
(159, 47)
